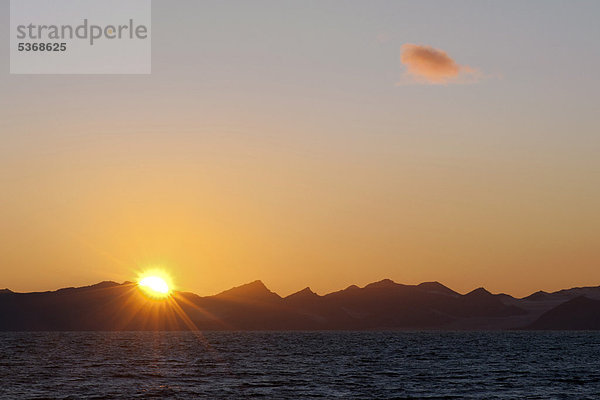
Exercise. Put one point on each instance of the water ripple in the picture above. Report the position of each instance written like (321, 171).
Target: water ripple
(224, 365)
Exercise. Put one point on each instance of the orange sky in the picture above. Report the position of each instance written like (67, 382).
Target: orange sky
(277, 153)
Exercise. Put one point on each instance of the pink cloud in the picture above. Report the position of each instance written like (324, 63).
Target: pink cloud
(427, 65)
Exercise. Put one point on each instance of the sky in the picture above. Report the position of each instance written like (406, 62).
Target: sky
(315, 143)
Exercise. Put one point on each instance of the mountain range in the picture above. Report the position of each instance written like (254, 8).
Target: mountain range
(110, 306)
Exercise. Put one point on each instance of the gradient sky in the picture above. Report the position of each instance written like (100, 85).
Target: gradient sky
(282, 141)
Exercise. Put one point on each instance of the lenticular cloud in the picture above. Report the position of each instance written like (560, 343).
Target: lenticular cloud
(427, 65)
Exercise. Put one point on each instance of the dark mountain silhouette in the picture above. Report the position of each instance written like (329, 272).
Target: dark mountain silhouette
(303, 297)
(540, 302)
(436, 287)
(251, 291)
(592, 292)
(579, 313)
(483, 303)
(379, 305)
(305, 293)
(538, 296)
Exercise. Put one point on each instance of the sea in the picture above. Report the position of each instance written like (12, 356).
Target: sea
(300, 365)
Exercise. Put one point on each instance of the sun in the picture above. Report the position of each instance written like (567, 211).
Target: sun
(155, 284)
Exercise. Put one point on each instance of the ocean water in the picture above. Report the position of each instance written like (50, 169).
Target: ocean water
(293, 365)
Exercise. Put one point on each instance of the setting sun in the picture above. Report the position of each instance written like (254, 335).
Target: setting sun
(154, 286)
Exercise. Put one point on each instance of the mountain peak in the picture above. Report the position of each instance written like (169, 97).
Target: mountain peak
(254, 290)
(304, 294)
(436, 287)
(539, 295)
(6, 291)
(258, 284)
(578, 313)
(104, 284)
(384, 283)
(479, 292)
